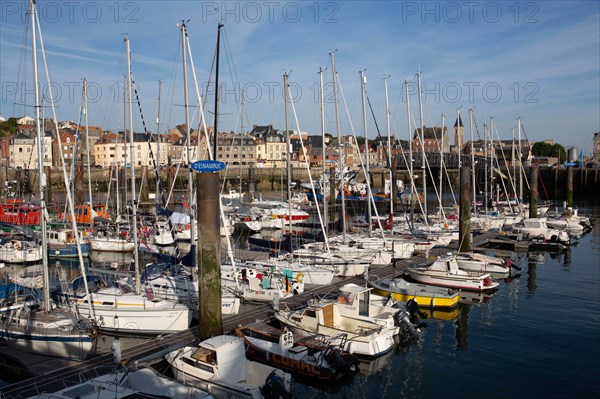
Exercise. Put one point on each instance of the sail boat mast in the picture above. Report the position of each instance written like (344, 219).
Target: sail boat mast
(158, 135)
(40, 153)
(87, 144)
(363, 82)
(473, 160)
(132, 169)
(340, 146)
(410, 154)
(422, 148)
(323, 151)
(188, 136)
(215, 133)
(389, 136)
(288, 150)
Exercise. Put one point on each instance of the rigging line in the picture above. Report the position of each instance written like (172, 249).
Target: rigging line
(521, 163)
(156, 174)
(310, 179)
(69, 197)
(512, 184)
(362, 163)
(408, 170)
(387, 161)
(423, 161)
(171, 89)
(22, 62)
(229, 57)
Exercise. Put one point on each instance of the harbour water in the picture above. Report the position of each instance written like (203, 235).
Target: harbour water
(536, 337)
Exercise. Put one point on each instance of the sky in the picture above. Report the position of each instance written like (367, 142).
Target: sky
(534, 60)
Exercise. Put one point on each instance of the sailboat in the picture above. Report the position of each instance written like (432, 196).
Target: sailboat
(123, 308)
(41, 327)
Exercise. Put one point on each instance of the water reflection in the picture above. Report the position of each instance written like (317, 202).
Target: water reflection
(461, 331)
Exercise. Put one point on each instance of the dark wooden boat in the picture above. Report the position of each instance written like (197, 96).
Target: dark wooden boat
(311, 360)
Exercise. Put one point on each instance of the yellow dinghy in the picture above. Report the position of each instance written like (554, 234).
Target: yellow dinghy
(426, 296)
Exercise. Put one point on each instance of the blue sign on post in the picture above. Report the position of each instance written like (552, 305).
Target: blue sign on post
(207, 165)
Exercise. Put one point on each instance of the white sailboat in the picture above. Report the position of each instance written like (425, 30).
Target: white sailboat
(41, 327)
(124, 309)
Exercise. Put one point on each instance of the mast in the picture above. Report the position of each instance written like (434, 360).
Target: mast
(288, 151)
(485, 163)
(87, 143)
(410, 154)
(520, 157)
(340, 145)
(441, 162)
(125, 86)
(323, 152)
(459, 142)
(512, 157)
(188, 135)
(40, 154)
(132, 170)
(363, 82)
(422, 149)
(473, 160)
(389, 136)
(158, 136)
(491, 153)
(242, 146)
(215, 133)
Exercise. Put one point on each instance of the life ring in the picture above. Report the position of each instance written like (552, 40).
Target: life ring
(247, 219)
(299, 277)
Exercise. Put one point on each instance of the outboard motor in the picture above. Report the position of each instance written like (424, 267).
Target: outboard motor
(345, 363)
(274, 387)
(402, 320)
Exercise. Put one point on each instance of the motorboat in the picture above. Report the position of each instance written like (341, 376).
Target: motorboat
(359, 336)
(314, 361)
(219, 366)
(261, 286)
(481, 263)
(62, 243)
(426, 296)
(444, 271)
(19, 248)
(536, 228)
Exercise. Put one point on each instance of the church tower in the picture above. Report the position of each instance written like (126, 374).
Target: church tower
(459, 133)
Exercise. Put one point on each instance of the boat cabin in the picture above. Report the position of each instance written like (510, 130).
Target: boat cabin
(221, 356)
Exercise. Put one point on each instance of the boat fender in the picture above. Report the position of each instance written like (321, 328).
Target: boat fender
(274, 386)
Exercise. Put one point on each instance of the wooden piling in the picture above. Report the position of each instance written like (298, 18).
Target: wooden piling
(533, 181)
(464, 226)
(209, 255)
(251, 183)
(569, 186)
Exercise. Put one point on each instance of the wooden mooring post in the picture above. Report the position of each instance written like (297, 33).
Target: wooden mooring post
(209, 255)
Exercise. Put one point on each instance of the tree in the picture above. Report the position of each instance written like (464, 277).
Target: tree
(9, 127)
(559, 152)
(543, 149)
